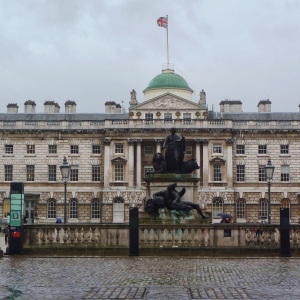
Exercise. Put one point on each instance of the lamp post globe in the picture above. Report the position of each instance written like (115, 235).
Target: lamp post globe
(269, 171)
(65, 171)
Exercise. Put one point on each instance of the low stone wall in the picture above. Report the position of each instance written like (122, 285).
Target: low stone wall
(158, 239)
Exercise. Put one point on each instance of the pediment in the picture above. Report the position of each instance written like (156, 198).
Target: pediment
(167, 101)
(119, 161)
(218, 160)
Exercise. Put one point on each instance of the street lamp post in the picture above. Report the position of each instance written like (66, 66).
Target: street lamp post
(65, 170)
(269, 171)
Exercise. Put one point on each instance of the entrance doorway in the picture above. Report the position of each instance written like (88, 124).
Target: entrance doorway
(29, 211)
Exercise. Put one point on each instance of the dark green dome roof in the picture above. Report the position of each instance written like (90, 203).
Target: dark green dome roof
(168, 80)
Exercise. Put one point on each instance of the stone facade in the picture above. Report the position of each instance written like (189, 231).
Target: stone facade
(109, 154)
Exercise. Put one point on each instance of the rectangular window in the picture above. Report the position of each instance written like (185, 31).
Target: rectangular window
(149, 117)
(147, 169)
(240, 173)
(30, 172)
(217, 148)
(74, 149)
(9, 149)
(74, 173)
(284, 149)
(168, 116)
(52, 149)
(119, 148)
(8, 169)
(51, 172)
(217, 173)
(149, 150)
(187, 116)
(119, 171)
(188, 150)
(262, 149)
(240, 149)
(96, 149)
(285, 173)
(95, 173)
(261, 173)
(30, 149)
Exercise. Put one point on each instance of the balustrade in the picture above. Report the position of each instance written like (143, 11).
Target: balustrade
(159, 235)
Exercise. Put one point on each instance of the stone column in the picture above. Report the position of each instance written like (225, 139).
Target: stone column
(107, 164)
(138, 163)
(205, 162)
(229, 143)
(197, 142)
(158, 145)
(130, 162)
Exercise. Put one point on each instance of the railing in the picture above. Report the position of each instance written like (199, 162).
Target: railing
(160, 235)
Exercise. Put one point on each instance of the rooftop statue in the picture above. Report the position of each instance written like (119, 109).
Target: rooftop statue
(170, 199)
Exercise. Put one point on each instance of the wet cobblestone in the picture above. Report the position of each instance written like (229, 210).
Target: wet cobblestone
(149, 278)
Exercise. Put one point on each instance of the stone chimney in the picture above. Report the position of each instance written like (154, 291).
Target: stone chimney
(29, 107)
(264, 106)
(51, 107)
(70, 107)
(231, 106)
(202, 97)
(12, 108)
(111, 107)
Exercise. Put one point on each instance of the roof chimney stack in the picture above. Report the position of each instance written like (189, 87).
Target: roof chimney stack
(12, 108)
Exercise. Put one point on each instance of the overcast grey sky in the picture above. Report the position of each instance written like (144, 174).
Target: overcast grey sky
(95, 51)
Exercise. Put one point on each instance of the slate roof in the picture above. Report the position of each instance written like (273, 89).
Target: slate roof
(61, 117)
(256, 116)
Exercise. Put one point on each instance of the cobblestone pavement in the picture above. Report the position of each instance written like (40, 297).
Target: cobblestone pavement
(30, 278)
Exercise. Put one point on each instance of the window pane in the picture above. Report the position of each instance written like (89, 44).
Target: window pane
(51, 208)
(149, 150)
(261, 173)
(73, 209)
(95, 209)
(217, 207)
(285, 173)
(30, 149)
(74, 149)
(8, 169)
(262, 149)
(217, 148)
(240, 149)
(9, 149)
(217, 173)
(118, 148)
(148, 117)
(263, 208)
(51, 173)
(74, 173)
(119, 172)
(96, 149)
(30, 172)
(95, 173)
(240, 173)
(52, 149)
(6, 208)
(284, 149)
(241, 208)
(148, 169)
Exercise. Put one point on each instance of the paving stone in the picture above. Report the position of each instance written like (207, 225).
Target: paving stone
(149, 278)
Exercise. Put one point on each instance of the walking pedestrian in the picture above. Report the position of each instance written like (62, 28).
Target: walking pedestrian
(6, 232)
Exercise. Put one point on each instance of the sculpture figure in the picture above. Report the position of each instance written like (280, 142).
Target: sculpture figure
(170, 199)
(175, 147)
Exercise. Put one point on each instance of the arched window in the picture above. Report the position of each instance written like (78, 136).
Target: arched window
(51, 208)
(241, 208)
(95, 209)
(263, 208)
(217, 207)
(6, 207)
(118, 210)
(73, 209)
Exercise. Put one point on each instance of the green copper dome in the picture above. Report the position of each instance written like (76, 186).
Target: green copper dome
(168, 79)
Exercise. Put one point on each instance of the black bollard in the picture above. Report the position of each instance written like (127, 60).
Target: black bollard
(134, 231)
(285, 232)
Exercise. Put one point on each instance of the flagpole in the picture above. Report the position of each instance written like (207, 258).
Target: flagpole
(167, 42)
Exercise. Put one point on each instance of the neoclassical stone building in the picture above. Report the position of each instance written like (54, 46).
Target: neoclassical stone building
(110, 153)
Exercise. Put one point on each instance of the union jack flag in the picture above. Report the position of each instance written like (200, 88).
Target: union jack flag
(163, 22)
